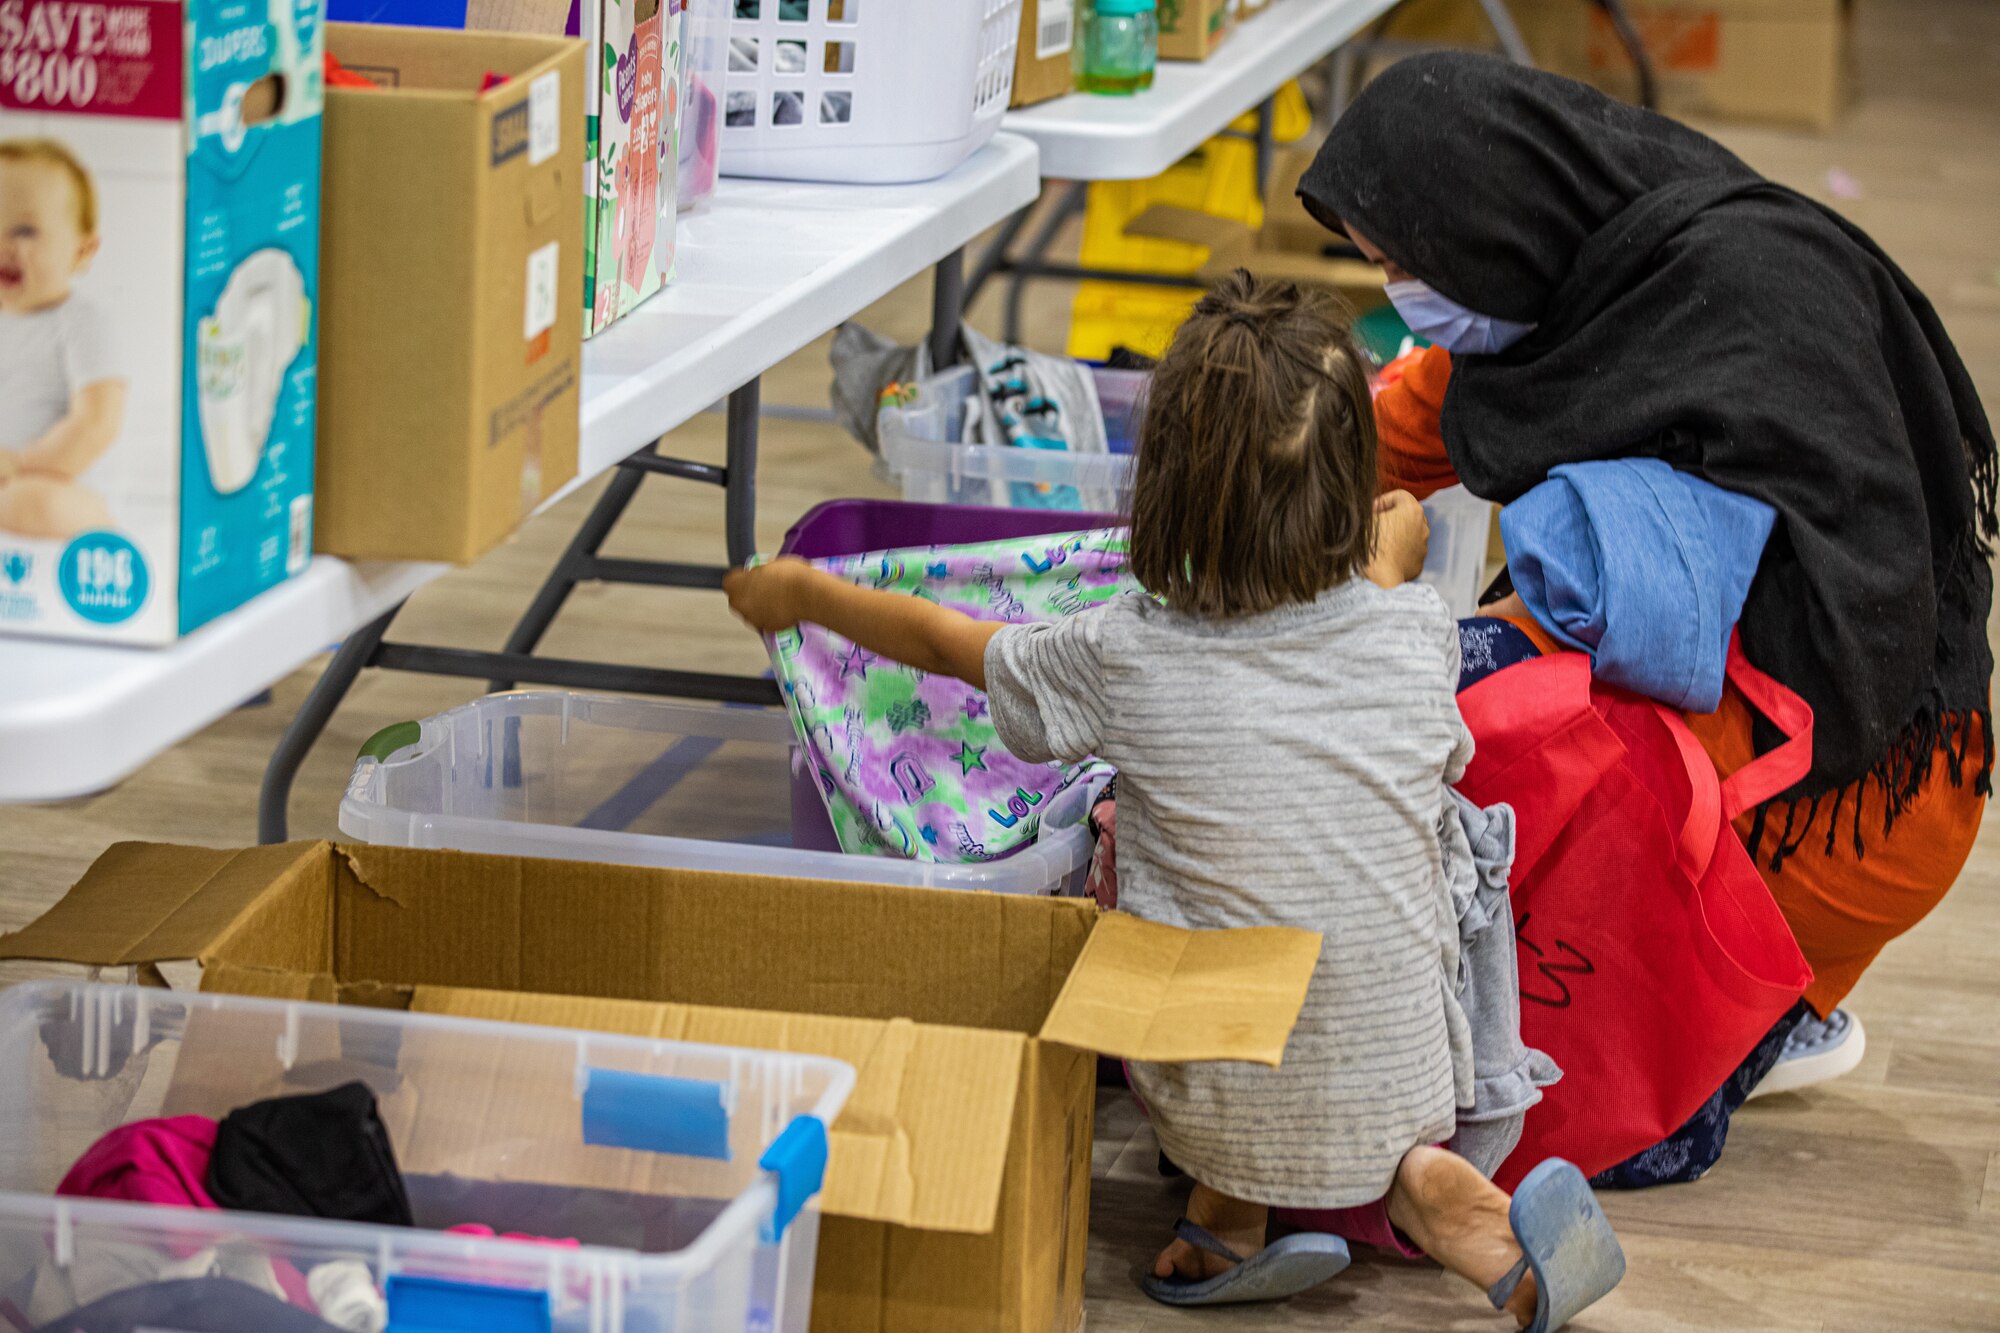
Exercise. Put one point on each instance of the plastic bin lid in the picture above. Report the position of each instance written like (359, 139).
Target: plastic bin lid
(1126, 8)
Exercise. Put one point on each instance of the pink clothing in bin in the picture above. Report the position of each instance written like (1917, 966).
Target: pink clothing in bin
(148, 1161)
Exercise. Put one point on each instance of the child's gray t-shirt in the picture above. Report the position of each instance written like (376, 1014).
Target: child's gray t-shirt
(1289, 769)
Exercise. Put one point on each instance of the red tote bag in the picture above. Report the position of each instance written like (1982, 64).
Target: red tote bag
(1652, 956)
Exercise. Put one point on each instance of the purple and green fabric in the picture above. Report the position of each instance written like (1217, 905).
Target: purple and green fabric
(909, 763)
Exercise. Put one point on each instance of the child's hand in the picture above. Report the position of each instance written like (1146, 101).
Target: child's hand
(10, 465)
(769, 598)
(1402, 539)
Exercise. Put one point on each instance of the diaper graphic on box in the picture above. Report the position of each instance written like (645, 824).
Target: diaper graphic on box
(244, 351)
(159, 254)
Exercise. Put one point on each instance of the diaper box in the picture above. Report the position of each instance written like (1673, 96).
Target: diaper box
(453, 252)
(159, 282)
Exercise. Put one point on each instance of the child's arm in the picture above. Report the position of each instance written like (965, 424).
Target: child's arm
(68, 448)
(897, 626)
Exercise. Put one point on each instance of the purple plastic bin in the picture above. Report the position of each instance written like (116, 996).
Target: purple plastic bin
(849, 527)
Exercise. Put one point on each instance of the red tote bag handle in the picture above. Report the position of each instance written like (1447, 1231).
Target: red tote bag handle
(1768, 774)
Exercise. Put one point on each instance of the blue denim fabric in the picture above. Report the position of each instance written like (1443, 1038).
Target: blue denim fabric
(1643, 567)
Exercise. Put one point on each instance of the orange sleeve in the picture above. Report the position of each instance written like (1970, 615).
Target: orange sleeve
(1410, 453)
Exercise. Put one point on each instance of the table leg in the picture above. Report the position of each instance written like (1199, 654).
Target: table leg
(570, 569)
(1267, 122)
(273, 799)
(740, 504)
(1071, 203)
(1509, 32)
(995, 258)
(947, 309)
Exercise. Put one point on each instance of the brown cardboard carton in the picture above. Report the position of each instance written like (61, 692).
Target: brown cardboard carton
(957, 1193)
(450, 345)
(1042, 68)
(1781, 61)
(1192, 29)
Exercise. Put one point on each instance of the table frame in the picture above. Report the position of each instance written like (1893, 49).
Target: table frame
(581, 562)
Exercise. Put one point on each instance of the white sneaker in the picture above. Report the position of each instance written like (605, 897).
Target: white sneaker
(1815, 1051)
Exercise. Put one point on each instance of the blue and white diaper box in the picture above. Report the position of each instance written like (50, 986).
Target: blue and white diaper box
(159, 291)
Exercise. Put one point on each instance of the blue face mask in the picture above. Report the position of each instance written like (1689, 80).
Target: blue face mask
(1450, 325)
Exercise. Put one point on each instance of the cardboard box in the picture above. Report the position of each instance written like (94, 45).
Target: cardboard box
(157, 338)
(1780, 61)
(632, 106)
(957, 1194)
(448, 389)
(1192, 29)
(1042, 59)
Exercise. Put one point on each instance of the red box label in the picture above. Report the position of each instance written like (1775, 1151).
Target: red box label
(90, 57)
(1681, 41)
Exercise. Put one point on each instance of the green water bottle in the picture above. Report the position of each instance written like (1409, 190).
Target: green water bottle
(1121, 44)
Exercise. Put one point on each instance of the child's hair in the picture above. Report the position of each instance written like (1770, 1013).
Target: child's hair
(1256, 475)
(51, 152)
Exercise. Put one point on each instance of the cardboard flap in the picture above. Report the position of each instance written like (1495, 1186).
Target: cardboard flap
(150, 903)
(1169, 222)
(922, 1142)
(1143, 991)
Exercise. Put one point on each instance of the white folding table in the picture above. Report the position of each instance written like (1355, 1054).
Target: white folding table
(1085, 137)
(765, 268)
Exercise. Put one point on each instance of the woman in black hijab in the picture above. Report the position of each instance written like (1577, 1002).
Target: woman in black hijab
(1616, 285)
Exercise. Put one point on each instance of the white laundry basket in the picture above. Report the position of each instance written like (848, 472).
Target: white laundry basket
(864, 91)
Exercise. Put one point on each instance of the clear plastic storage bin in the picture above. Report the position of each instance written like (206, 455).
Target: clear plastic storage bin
(518, 1128)
(920, 448)
(583, 777)
(866, 92)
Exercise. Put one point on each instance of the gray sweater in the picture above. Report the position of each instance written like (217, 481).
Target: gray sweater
(1280, 769)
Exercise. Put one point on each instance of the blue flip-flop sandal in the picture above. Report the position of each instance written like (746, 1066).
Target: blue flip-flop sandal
(1283, 1268)
(1567, 1242)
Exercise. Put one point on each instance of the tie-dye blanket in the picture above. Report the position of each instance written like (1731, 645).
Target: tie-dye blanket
(909, 763)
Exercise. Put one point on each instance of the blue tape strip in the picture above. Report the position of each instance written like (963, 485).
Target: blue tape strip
(434, 1305)
(655, 1113)
(410, 13)
(798, 1158)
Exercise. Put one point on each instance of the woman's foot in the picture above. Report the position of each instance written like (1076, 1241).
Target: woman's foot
(1459, 1218)
(1237, 1224)
(1816, 1050)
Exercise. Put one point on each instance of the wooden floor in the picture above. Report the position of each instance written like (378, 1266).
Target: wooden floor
(1870, 1204)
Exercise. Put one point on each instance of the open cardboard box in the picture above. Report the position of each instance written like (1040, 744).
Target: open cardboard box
(957, 1194)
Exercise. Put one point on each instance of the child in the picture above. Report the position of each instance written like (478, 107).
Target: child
(1284, 728)
(61, 402)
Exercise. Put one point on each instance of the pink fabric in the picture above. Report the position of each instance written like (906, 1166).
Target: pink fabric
(483, 1231)
(148, 1161)
(1368, 1224)
(1103, 877)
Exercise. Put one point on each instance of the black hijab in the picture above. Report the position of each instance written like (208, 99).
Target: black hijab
(1690, 310)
